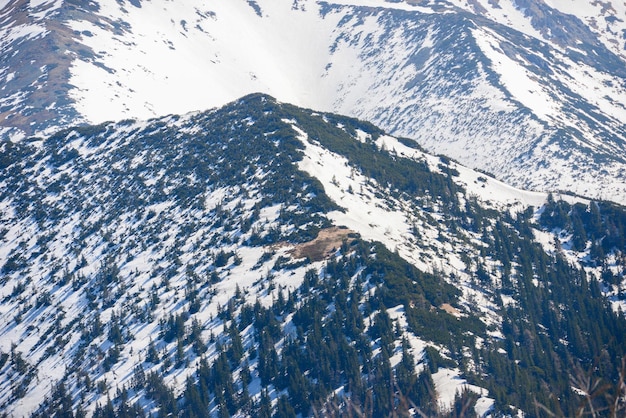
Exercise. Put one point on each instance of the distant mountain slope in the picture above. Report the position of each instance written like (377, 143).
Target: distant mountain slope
(263, 259)
(534, 94)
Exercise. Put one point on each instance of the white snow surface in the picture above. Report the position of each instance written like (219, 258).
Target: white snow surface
(516, 79)
(449, 383)
(265, 56)
(604, 18)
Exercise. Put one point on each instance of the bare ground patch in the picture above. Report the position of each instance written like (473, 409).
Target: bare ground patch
(326, 242)
(451, 310)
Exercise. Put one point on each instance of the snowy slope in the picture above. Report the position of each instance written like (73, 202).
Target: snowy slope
(163, 241)
(596, 22)
(110, 232)
(285, 60)
(530, 91)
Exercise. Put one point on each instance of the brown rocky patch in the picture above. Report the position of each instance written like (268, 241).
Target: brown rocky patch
(451, 309)
(323, 246)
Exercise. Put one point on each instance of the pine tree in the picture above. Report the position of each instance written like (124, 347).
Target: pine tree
(383, 385)
(235, 351)
(268, 359)
(265, 406)
(195, 404)
(405, 373)
(152, 356)
(284, 408)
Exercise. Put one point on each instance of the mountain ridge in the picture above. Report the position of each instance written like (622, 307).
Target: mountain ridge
(149, 266)
(499, 86)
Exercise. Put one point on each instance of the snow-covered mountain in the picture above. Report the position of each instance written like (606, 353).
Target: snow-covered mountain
(262, 258)
(532, 91)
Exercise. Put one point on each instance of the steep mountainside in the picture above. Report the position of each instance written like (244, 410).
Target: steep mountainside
(530, 91)
(263, 259)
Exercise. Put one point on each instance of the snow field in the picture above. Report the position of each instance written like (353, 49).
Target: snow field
(216, 70)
